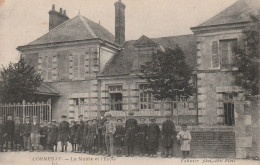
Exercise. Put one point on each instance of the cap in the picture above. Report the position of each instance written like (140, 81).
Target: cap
(17, 118)
(131, 113)
(9, 114)
(102, 111)
(184, 125)
(142, 118)
(108, 115)
(80, 115)
(35, 117)
(27, 117)
(94, 119)
(53, 121)
(63, 116)
(153, 119)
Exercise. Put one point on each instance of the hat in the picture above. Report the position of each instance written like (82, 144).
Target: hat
(35, 117)
(119, 120)
(102, 111)
(80, 115)
(153, 119)
(108, 115)
(17, 118)
(131, 113)
(63, 116)
(27, 117)
(94, 119)
(184, 125)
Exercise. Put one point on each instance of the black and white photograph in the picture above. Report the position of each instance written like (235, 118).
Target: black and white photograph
(129, 82)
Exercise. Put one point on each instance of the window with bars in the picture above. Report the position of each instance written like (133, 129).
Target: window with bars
(115, 97)
(228, 108)
(47, 68)
(145, 97)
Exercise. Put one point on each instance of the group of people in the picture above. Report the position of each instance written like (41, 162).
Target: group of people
(101, 136)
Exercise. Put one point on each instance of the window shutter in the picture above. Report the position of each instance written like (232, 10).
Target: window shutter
(75, 66)
(81, 67)
(215, 61)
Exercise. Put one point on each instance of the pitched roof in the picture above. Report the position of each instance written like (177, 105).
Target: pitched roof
(44, 89)
(77, 28)
(123, 62)
(240, 11)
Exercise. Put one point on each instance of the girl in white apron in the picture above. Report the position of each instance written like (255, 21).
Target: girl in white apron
(184, 137)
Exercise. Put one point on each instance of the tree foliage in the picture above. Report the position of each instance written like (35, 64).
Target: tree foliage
(247, 59)
(19, 81)
(168, 75)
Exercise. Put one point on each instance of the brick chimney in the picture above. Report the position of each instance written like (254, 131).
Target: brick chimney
(56, 18)
(119, 22)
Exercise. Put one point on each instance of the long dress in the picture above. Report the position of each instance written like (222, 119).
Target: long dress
(168, 129)
(185, 138)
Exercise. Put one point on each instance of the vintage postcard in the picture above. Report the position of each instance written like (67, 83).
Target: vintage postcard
(129, 82)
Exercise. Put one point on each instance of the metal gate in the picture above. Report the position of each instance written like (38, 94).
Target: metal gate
(41, 109)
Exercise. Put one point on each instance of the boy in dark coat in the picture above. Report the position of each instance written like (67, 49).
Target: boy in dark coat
(35, 134)
(1, 134)
(55, 135)
(84, 136)
(153, 137)
(9, 127)
(43, 134)
(101, 133)
(78, 134)
(168, 130)
(92, 136)
(18, 138)
(119, 137)
(73, 128)
(142, 136)
(131, 130)
(64, 133)
(27, 134)
(49, 134)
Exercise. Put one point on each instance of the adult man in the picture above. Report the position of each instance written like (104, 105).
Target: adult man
(43, 134)
(142, 136)
(1, 134)
(153, 137)
(131, 130)
(27, 134)
(101, 133)
(168, 130)
(64, 133)
(79, 133)
(9, 127)
(35, 134)
(109, 135)
(18, 138)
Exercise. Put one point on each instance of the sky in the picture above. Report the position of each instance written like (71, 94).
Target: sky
(22, 21)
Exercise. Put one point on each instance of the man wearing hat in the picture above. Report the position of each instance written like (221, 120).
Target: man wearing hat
(119, 137)
(109, 135)
(168, 130)
(131, 130)
(142, 136)
(1, 134)
(18, 138)
(43, 134)
(9, 127)
(153, 137)
(35, 134)
(64, 133)
(27, 134)
(79, 133)
(101, 133)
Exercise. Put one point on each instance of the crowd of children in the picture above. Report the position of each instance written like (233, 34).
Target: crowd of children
(101, 136)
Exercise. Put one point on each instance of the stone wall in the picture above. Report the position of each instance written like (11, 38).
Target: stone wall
(247, 127)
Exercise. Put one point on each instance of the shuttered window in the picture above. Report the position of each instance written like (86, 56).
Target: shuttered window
(215, 60)
(47, 68)
(78, 67)
(227, 53)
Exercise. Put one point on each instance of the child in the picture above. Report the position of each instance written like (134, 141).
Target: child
(18, 138)
(142, 137)
(119, 137)
(85, 134)
(35, 134)
(109, 135)
(26, 134)
(49, 135)
(43, 132)
(185, 138)
(72, 135)
(1, 134)
(92, 136)
(153, 137)
(55, 133)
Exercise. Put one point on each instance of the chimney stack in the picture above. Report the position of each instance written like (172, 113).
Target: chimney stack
(119, 22)
(56, 18)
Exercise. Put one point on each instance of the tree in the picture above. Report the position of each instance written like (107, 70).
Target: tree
(19, 81)
(247, 59)
(168, 75)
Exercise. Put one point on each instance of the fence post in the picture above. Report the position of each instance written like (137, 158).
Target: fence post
(23, 110)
